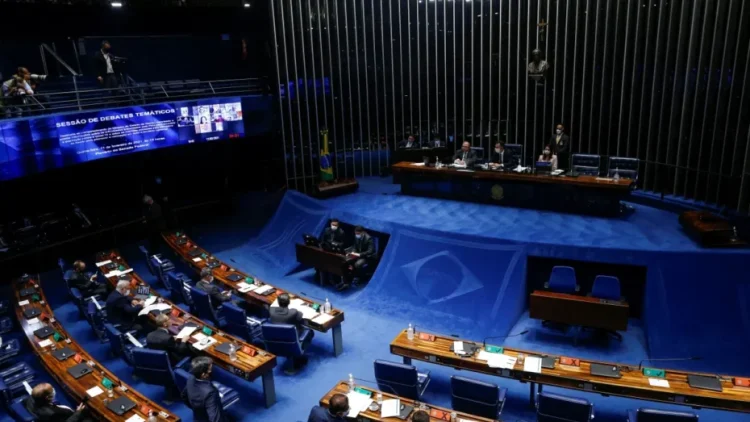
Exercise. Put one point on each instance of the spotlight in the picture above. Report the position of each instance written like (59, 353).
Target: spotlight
(247, 5)
(116, 4)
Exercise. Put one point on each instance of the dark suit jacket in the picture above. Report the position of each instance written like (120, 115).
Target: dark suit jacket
(216, 294)
(83, 283)
(161, 339)
(279, 315)
(365, 247)
(100, 64)
(506, 159)
(49, 412)
(120, 310)
(403, 144)
(471, 157)
(332, 237)
(321, 414)
(561, 148)
(203, 398)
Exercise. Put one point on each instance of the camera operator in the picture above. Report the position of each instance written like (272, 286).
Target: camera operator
(17, 90)
(106, 66)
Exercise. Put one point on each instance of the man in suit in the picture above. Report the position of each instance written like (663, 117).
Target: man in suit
(408, 143)
(41, 404)
(359, 255)
(338, 408)
(465, 156)
(162, 339)
(216, 294)
(560, 144)
(282, 314)
(501, 157)
(122, 309)
(104, 67)
(333, 235)
(201, 395)
(155, 223)
(78, 277)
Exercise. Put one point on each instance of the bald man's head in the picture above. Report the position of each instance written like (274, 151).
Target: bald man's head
(466, 146)
(43, 393)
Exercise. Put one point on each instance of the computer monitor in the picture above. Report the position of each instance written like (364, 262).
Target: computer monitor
(543, 167)
(311, 240)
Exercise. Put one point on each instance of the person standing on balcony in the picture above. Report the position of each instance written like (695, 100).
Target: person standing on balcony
(105, 65)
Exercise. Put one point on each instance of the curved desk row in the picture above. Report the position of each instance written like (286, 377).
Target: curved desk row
(198, 258)
(82, 377)
(659, 385)
(251, 363)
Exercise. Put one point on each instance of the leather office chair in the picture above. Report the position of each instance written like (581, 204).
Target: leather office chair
(119, 345)
(144, 251)
(403, 379)
(179, 287)
(161, 268)
(283, 340)
(18, 411)
(558, 408)
(205, 309)
(6, 324)
(12, 379)
(516, 152)
(477, 397)
(479, 151)
(606, 287)
(62, 265)
(9, 350)
(227, 395)
(562, 280)
(626, 167)
(4, 306)
(96, 318)
(653, 415)
(586, 164)
(154, 367)
(239, 324)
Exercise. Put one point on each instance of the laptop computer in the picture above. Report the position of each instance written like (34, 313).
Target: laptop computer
(79, 370)
(195, 253)
(27, 291)
(181, 241)
(44, 332)
(548, 362)
(235, 277)
(142, 292)
(609, 371)
(405, 411)
(543, 167)
(223, 348)
(705, 382)
(121, 405)
(31, 313)
(311, 240)
(63, 354)
(214, 263)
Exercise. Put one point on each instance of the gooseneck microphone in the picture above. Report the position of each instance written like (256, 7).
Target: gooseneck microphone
(640, 365)
(484, 342)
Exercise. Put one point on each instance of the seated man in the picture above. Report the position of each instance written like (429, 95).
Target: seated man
(162, 339)
(201, 395)
(41, 404)
(332, 236)
(217, 295)
(501, 157)
(360, 254)
(465, 156)
(122, 309)
(338, 408)
(282, 314)
(408, 143)
(78, 277)
(420, 416)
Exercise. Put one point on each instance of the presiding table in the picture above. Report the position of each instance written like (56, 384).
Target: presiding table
(583, 311)
(321, 259)
(576, 194)
(198, 258)
(29, 298)
(671, 387)
(251, 363)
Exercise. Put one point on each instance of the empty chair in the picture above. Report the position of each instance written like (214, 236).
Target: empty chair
(283, 340)
(606, 287)
(653, 415)
(96, 318)
(18, 411)
(477, 397)
(9, 350)
(556, 408)
(12, 379)
(587, 164)
(179, 287)
(624, 166)
(239, 324)
(516, 153)
(146, 256)
(6, 324)
(562, 280)
(4, 306)
(205, 309)
(479, 151)
(161, 266)
(227, 395)
(154, 367)
(403, 379)
(118, 344)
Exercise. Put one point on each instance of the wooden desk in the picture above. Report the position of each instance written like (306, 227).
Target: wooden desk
(583, 194)
(246, 366)
(710, 230)
(633, 383)
(77, 388)
(321, 259)
(225, 270)
(579, 310)
(343, 388)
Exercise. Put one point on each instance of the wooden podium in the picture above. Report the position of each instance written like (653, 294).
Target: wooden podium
(335, 188)
(710, 230)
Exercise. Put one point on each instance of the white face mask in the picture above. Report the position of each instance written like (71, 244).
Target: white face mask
(127, 293)
(498, 150)
(358, 236)
(558, 131)
(334, 227)
(546, 152)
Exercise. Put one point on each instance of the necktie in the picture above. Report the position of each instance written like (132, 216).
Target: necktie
(501, 157)
(464, 159)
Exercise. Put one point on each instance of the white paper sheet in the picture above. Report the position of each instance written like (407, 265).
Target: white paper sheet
(113, 273)
(27, 387)
(656, 382)
(418, 164)
(95, 391)
(458, 347)
(135, 418)
(501, 361)
(150, 301)
(23, 303)
(358, 402)
(155, 307)
(33, 321)
(132, 339)
(246, 287)
(390, 408)
(96, 303)
(533, 364)
(185, 332)
(263, 289)
(197, 259)
(102, 263)
(199, 345)
(45, 343)
(322, 319)
(129, 270)
(484, 355)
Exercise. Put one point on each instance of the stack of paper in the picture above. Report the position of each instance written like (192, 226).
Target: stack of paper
(45, 343)
(417, 164)
(263, 289)
(458, 347)
(501, 361)
(533, 364)
(185, 332)
(135, 418)
(655, 382)
(156, 307)
(197, 259)
(390, 408)
(203, 341)
(358, 402)
(150, 301)
(102, 263)
(95, 391)
(322, 319)
(246, 287)
(484, 355)
(129, 270)
(113, 273)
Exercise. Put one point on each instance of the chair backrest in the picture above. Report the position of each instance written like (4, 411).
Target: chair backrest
(479, 151)
(115, 339)
(402, 379)
(562, 279)
(144, 251)
(475, 397)
(152, 366)
(516, 151)
(203, 306)
(653, 415)
(606, 287)
(181, 378)
(236, 319)
(76, 295)
(587, 164)
(282, 339)
(625, 166)
(62, 264)
(180, 287)
(558, 408)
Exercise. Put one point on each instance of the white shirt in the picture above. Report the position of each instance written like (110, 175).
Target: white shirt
(109, 63)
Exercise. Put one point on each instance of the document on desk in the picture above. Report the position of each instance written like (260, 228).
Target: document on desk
(501, 361)
(102, 263)
(533, 364)
(95, 391)
(33, 321)
(185, 332)
(129, 270)
(390, 408)
(358, 402)
(23, 303)
(655, 382)
(197, 259)
(150, 301)
(135, 418)
(246, 287)
(156, 307)
(263, 289)
(113, 273)
(485, 355)
(45, 343)
(203, 341)
(458, 347)
(322, 319)
(418, 164)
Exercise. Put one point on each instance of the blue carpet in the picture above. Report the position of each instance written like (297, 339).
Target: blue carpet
(449, 267)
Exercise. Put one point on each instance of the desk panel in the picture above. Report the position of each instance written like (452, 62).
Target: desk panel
(579, 310)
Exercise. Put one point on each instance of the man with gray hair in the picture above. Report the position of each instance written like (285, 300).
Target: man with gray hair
(42, 405)
(154, 221)
(161, 339)
(216, 294)
(123, 309)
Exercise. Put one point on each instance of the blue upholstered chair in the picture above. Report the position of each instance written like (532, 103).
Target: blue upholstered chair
(477, 397)
(624, 166)
(179, 287)
(403, 379)
(12, 379)
(144, 251)
(238, 323)
(118, 344)
(205, 309)
(154, 367)
(228, 396)
(606, 287)
(161, 267)
(562, 280)
(4, 306)
(96, 318)
(9, 350)
(586, 164)
(556, 408)
(6, 324)
(653, 415)
(283, 340)
(18, 411)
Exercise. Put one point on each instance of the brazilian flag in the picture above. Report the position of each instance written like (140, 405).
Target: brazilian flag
(326, 169)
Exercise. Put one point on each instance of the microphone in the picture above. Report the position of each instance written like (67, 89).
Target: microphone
(640, 365)
(384, 385)
(484, 342)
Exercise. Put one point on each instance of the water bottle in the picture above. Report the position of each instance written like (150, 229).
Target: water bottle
(380, 398)
(617, 175)
(232, 352)
(437, 162)
(410, 332)
(453, 416)
(152, 417)
(351, 382)
(327, 306)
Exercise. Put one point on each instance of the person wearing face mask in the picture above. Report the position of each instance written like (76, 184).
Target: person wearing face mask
(333, 237)
(359, 255)
(105, 65)
(216, 294)
(501, 157)
(560, 144)
(41, 404)
(465, 156)
(200, 394)
(548, 157)
(122, 309)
